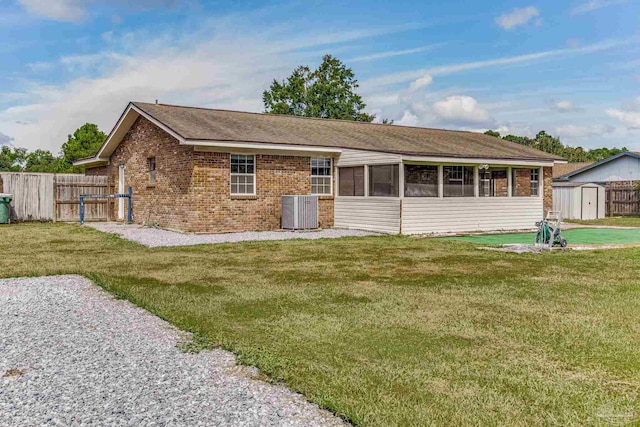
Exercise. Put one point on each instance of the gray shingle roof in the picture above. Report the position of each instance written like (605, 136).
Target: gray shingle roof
(222, 125)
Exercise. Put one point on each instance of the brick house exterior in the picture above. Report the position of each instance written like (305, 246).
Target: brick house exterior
(184, 166)
(192, 188)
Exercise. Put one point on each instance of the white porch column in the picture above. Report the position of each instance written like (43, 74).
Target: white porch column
(366, 180)
(476, 181)
(440, 182)
(541, 182)
(401, 180)
(509, 181)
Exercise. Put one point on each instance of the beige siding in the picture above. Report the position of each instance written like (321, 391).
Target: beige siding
(359, 157)
(368, 213)
(434, 215)
(566, 200)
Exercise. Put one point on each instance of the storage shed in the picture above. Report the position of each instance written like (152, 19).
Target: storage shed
(579, 200)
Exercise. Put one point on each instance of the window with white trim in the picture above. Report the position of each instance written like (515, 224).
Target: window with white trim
(321, 181)
(535, 181)
(243, 174)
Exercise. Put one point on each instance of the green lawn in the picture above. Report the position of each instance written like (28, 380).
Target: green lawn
(388, 330)
(628, 221)
(576, 236)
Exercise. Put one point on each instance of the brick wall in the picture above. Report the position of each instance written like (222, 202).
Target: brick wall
(547, 203)
(165, 203)
(215, 209)
(192, 189)
(522, 182)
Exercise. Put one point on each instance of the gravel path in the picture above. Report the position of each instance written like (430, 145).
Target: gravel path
(70, 354)
(155, 237)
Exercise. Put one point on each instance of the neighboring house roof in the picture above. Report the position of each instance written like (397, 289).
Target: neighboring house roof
(565, 168)
(590, 166)
(193, 125)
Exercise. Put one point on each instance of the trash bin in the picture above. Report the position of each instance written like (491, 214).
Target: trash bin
(5, 208)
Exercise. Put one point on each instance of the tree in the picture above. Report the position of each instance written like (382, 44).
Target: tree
(552, 144)
(85, 142)
(43, 161)
(327, 92)
(12, 159)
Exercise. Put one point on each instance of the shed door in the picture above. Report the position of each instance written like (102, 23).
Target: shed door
(589, 203)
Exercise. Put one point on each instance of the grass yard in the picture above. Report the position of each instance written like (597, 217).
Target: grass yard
(387, 330)
(575, 236)
(621, 221)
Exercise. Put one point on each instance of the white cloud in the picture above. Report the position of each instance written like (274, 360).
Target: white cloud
(5, 139)
(405, 76)
(629, 115)
(574, 132)
(390, 54)
(517, 17)
(408, 119)
(564, 105)
(172, 67)
(76, 10)
(421, 82)
(462, 110)
(592, 5)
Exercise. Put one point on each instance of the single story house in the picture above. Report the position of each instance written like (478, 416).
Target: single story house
(623, 169)
(206, 170)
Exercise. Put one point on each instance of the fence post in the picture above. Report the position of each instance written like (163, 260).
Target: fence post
(129, 216)
(81, 210)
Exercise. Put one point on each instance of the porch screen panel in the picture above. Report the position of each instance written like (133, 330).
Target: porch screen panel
(351, 181)
(420, 181)
(458, 181)
(525, 182)
(493, 182)
(384, 180)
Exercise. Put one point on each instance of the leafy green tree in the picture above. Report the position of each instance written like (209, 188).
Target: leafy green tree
(43, 161)
(12, 159)
(552, 144)
(328, 92)
(85, 142)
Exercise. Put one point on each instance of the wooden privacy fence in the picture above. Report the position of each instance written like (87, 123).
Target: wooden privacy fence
(55, 197)
(623, 201)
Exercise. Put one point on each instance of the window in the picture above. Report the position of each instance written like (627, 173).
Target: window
(351, 181)
(243, 174)
(321, 175)
(525, 182)
(420, 181)
(458, 181)
(151, 162)
(535, 181)
(493, 183)
(383, 180)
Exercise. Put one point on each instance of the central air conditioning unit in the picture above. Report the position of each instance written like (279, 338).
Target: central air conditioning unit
(300, 212)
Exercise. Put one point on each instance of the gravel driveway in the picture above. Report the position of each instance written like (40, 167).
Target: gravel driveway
(155, 237)
(70, 354)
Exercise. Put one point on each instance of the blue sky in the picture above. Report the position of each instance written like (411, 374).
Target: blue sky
(571, 68)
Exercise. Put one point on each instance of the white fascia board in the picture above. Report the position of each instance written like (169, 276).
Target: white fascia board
(125, 117)
(91, 161)
(261, 146)
(159, 124)
(475, 161)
